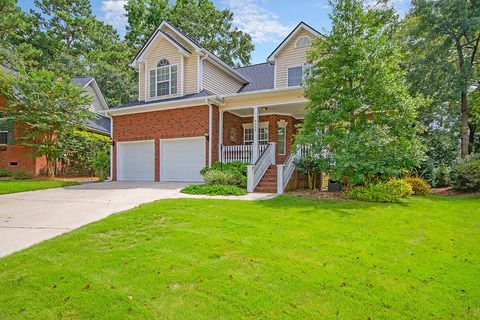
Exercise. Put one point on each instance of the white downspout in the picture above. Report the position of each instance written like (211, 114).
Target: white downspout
(210, 135)
(200, 72)
(111, 145)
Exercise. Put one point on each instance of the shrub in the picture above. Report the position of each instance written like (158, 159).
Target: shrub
(310, 167)
(219, 177)
(101, 164)
(391, 191)
(21, 175)
(441, 177)
(239, 169)
(214, 190)
(5, 173)
(419, 185)
(466, 176)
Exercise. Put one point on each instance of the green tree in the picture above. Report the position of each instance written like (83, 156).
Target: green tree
(360, 113)
(72, 40)
(207, 25)
(444, 38)
(47, 108)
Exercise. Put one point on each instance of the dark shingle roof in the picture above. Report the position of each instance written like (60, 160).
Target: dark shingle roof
(81, 81)
(100, 124)
(203, 93)
(261, 77)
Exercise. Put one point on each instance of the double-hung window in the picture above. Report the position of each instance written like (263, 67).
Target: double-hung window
(262, 135)
(164, 79)
(296, 75)
(6, 130)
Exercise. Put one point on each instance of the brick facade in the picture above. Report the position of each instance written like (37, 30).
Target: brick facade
(233, 130)
(18, 157)
(166, 124)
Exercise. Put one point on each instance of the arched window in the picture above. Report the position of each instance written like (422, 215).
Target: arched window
(303, 42)
(163, 79)
(163, 63)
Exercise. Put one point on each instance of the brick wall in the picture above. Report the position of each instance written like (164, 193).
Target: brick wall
(231, 121)
(19, 154)
(166, 124)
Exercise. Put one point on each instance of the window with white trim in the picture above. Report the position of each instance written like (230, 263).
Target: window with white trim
(164, 79)
(297, 75)
(262, 135)
(303, 42)
(282, 140)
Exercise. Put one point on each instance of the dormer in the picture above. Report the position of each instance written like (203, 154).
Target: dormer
(171, 65)
(290, 57)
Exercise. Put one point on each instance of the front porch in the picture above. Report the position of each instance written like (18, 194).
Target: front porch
(263, 137)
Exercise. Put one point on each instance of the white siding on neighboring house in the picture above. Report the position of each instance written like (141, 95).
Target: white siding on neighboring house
(218, 81)
(96, 105)
(290, 57)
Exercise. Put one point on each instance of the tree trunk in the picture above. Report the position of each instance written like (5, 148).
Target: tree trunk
(464, 129)
(50, 168)
(471, 139)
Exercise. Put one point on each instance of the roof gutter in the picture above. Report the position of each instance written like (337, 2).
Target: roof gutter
(158, 106)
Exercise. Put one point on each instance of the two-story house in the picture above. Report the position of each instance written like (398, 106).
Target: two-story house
(194, 109)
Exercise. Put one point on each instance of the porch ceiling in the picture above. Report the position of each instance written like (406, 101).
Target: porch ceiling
(295, 110)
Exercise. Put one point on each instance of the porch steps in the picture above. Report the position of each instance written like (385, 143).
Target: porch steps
(268, 183)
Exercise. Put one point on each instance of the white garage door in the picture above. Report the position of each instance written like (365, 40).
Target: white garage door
(182, 159)
(136, 161)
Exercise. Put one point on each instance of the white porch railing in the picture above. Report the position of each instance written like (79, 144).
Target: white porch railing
(256, 171)
(285, 170)
(243, 153)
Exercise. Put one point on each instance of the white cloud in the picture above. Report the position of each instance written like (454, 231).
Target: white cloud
(263, 25)
(114, 13)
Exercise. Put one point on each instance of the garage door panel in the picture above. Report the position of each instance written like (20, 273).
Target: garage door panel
(182, 159)
(136, 161)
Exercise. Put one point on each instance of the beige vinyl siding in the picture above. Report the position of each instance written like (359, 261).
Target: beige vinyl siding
(141, 82)
(291, 57)
(190, 74)
(174, 35)
(161, 49)
(218, 81)
(96, 105)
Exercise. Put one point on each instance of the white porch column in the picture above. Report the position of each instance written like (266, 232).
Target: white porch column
(220, 136)
(255, 135)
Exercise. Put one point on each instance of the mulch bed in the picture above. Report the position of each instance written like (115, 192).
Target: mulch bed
(449, 191)
(319, 195)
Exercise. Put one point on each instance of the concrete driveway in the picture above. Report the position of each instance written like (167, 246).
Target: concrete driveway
(30, 217)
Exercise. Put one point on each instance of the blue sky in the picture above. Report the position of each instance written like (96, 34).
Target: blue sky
(267, 21)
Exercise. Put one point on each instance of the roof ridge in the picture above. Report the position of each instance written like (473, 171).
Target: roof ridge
(252, 65)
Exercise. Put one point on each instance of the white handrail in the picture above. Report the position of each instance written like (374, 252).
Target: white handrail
(242, 153)
(256, 171)
(285, 170)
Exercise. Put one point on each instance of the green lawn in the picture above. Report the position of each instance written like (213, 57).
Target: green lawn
(29, 185)
(287, 258)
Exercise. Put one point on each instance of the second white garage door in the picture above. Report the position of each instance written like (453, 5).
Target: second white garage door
(182, 159)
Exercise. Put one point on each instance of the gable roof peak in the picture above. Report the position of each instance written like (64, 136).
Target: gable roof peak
(300, 26)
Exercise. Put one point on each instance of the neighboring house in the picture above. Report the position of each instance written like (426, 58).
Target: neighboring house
(194, 109)
(15, 156)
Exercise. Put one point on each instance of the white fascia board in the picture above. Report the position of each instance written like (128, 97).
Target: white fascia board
(161, 105)
(99, 93)
(301, 25)
(211, 57)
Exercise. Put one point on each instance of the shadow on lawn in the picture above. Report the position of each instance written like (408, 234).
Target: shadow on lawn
(344, 207)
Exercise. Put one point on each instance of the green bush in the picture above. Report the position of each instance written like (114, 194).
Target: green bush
(419, 185)
(391, 191)
(21, 175)
(101, 164)
(440, 177)
(466, 176)
(226, 178)
(5, 173)
(239, 169)
(214, 190)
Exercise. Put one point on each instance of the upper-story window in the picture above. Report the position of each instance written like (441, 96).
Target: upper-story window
(163, 79)
(295, 76)
(303, 42)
